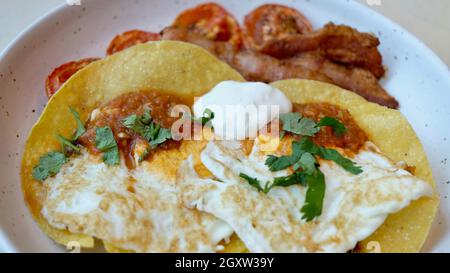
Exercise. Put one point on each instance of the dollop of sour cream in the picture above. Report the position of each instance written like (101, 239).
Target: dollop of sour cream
(242, 109)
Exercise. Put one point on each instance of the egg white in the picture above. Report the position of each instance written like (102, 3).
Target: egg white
(136, 210)
(354, 205)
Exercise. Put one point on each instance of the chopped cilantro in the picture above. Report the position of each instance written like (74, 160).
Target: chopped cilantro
(67, 145)
(160, 136)
(298, 149)
(105, 142)
(255, 183)
(315, 194)
(80, 126)
(145, 127)
(290, 121)
(111, 156)
(208, 115)
(286, 181)
(307, 162)
(295, 123)
(307, 145)
(146, 117)
(206, 118)
(347, 164)
(133, 123)
(280, 163)
(338, 128)
(49, 165)
(303, 156)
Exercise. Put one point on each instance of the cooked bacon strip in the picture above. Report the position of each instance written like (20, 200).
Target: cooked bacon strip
(256, 66)
(358, 80)
(252, 65)
(340, 43)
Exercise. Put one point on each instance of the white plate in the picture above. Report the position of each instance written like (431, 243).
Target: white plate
(416, 77)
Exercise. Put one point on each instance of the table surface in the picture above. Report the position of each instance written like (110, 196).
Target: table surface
(427, 19)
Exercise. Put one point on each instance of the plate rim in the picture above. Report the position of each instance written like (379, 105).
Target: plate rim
(436, 61)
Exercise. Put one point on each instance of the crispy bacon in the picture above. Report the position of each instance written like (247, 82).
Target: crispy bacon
(356, 79)
(340, 43)
(256, 66)
(253, 65)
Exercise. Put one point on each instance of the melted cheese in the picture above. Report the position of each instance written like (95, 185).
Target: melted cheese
(354, 205)
(134, 210)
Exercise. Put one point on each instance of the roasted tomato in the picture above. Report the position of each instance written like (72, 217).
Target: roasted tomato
(273, 22)
(212, 21)
(62, 73)
(131, 38)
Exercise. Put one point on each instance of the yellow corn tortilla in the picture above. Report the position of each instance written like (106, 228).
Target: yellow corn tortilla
(407, 230)
(169, 67)
(187, 70)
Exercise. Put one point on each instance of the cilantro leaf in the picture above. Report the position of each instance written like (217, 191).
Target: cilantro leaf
(145, 127)
(347, 164)
(133, 123)
(299, 159)
(80, 125)
(307, 162)
(306, 145)
(208, 115)
(290, 121)
(307, 127)
(338, 128)
(146, 117)
(286, 181)
(105, 142)
(280, 163)
(139, 124)
(206, 118)
(271, 159)
(315, 194)
(283, 162)
(150, 131)
(49, 165)
(67, 145)
(104, 139)
(161, 136)
(329, 154)
(303, 156)
(111, 156)
(295, 123)
(255, 183)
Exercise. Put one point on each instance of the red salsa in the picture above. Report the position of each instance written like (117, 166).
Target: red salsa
(353, 138)
(113, 113)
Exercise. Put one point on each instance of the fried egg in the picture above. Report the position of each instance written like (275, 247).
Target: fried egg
(137, 210)
(354, 205)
